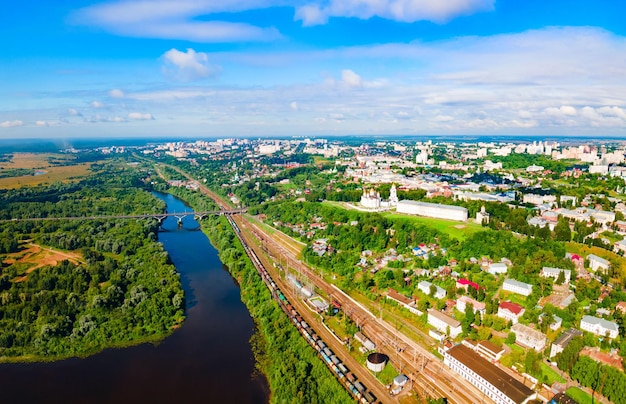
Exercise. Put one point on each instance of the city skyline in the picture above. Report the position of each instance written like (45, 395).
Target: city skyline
(195, 68)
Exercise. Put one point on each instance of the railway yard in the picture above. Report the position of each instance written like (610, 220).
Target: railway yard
(428, 377)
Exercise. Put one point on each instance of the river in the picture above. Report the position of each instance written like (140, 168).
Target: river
(209, 359)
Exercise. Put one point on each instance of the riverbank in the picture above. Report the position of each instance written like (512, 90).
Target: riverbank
(291, 366)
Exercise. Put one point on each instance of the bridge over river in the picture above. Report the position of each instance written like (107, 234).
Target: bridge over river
(159, 216)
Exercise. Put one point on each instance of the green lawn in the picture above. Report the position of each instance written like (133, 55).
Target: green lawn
(454, 229)
(551, 374)
(580, 396)
(387, 375)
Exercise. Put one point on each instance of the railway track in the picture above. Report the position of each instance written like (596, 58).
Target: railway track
(356, 387)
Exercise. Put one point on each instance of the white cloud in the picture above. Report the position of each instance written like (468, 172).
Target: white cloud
(187, 66)
(73, 112)
(294, 105)
(138, 116)
(311, 14)
(438, 11)
(96, 104)
(181, 20)
(116, 93)
(11, 124)
(613, 111)
(41, 123)
(561, 112)
(351, 78)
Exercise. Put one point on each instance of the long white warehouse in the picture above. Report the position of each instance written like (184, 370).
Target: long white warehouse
(432, 210)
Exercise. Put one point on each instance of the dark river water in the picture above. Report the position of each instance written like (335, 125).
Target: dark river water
(207, 360)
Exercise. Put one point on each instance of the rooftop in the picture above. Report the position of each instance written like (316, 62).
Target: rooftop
(501, 380)
(434, 205)
(512, 307)
(445, 318)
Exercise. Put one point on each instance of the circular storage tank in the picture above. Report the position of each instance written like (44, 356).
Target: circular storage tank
(376, 361)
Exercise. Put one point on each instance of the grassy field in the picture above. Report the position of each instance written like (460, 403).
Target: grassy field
(48, 173)
(580, 396)
(454, 229)
(551, 374)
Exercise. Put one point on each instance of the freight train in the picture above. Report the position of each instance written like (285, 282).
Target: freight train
(346, 378)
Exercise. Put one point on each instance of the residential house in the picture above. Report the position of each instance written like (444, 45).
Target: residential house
(510, 311)
(424, 286)
(444, 323)
(529, 337)
(561, 342)
(402, 300)
(548, 272)
(599, 326)
(465, 283)
(497, 268)
(597, 263)
(619, 246)
(518, 287)
(463, 301)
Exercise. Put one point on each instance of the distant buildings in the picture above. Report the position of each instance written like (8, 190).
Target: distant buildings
(434, 210)
(599, 326)
(518, 287)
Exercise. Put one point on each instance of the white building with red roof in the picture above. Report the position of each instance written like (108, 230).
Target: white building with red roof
(510, 311)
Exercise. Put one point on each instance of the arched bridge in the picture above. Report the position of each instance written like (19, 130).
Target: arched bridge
(159, 216)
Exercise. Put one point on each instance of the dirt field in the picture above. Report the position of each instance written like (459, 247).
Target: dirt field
(47, 173)
(35, 256)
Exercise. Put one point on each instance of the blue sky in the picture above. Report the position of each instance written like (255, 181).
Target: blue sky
(199, 68)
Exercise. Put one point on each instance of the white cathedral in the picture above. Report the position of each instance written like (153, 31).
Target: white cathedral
(371, 199)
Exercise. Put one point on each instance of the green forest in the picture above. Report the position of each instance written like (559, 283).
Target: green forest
(117, 286)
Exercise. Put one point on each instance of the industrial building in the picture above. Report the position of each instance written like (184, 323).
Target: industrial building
(488, 378)
(435, 210)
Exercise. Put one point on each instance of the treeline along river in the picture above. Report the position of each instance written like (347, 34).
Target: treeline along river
(209, 359)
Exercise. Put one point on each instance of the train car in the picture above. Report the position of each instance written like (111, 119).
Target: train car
(304, 324)
(335, 360)
(359, 386)
(327, 352)
(369, 397)
(350, 377)
(342, 367)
